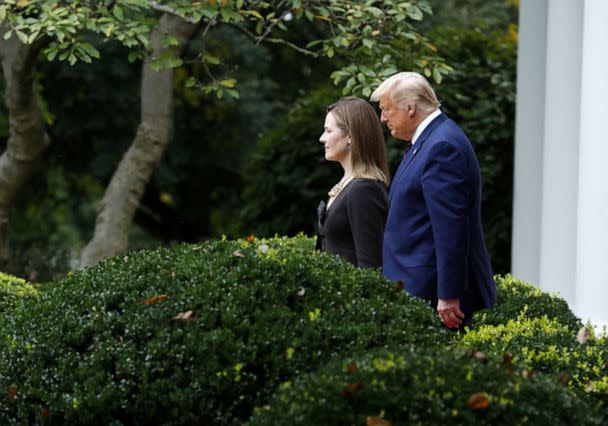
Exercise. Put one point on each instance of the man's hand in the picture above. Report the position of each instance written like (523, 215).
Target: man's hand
(449, 312)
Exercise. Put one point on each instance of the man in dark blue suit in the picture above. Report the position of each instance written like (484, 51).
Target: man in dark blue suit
(433, 240)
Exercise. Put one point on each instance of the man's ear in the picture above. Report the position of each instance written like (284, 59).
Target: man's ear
(411, 109)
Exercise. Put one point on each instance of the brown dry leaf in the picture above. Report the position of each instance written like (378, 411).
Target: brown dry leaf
(185, 316)
(589, 387)
(399, 285)
(583, 335)
(507, 358)
(351, 367)
(563, 378)
(478, 356)
(376, 421)
(351, 388)
(12, 391)
(45, 412)
(155, 299)
(250, 238)
(237, 253)
(126, 258)
(478, 401)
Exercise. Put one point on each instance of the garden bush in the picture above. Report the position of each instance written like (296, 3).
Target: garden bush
(516, 296)
(199, 334)
(424, 386)
(12, 290)
(552, 347)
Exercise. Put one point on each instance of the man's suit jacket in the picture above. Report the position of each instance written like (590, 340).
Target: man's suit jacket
(433, 240)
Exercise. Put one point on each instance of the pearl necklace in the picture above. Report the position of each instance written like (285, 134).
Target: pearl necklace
(335, 190)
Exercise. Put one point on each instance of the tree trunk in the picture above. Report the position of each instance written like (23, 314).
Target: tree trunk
(27, 134)
(123, 194)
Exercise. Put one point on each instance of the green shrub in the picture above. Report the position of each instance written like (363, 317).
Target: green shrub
(13, 289)
(516, 296)
(426, 387)
(117, 344)
(549, 346)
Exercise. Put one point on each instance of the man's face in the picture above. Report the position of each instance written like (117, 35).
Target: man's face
(400, 121)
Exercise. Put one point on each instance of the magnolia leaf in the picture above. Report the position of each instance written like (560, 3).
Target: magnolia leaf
(301, 292)
(415, 13)
(478, 401)
(2, 13)
(155, 299)
(230, 82)
(22, 37)
(211, 59)
(117, 11)
(191, 82)
(437, 75)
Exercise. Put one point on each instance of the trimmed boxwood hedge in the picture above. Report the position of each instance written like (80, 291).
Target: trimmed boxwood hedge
(516, 297)
(199, 334)
(202, 334)
(12, 290)
(551, 347)
(423, 386)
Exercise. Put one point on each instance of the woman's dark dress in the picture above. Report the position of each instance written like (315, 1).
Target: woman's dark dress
(353, 226)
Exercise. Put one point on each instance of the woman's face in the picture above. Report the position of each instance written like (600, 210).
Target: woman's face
(334, 140)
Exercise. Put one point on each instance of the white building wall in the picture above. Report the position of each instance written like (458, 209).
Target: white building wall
(592, 242)
(560, 216)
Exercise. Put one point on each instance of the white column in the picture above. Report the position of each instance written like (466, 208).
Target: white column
(529, 136)
(592, 242)
(558, 252)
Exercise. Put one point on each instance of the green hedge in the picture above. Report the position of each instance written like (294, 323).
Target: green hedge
(116, 344)
(516, 297)
(12, 290)
(425, 386)
(549, 346)
(203, 334)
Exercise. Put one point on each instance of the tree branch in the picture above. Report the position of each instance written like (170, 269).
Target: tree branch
(275, 41)
(169, 11)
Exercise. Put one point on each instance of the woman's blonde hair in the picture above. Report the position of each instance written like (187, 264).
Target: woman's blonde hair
(358, 119)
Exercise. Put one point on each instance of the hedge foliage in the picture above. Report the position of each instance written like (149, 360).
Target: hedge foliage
(204, 334)
(426, 387)
(551, 347)
(12, 290)
(197, 334)
(517, 297)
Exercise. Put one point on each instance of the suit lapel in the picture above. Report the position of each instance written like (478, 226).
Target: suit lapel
(411, 153)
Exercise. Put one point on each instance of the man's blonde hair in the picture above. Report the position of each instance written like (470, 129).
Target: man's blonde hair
(406, 87)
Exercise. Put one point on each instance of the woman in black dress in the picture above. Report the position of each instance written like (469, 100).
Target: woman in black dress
(351, 223)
